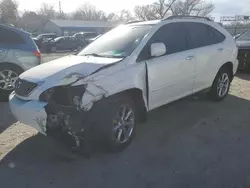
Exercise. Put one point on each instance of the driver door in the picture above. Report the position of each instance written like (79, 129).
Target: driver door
(170, 76)
(62, 44)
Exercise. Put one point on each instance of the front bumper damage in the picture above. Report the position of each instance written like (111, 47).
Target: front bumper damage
(31, 113)
(67, 101)
(67, 113)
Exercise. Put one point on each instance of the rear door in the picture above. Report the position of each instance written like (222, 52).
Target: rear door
(69, 44)
(209, 48)
(72, 43)
(61, 44)
(9, 40)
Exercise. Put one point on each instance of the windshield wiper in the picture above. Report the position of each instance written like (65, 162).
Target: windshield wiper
(94, 54)
(108, 56)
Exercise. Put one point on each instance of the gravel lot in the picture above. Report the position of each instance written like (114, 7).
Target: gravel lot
(190, 143)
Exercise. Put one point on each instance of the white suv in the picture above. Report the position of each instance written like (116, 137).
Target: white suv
(105, 90)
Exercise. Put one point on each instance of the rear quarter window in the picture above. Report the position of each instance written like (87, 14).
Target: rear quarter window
(202, 35)
(8, 36)
(218, 36)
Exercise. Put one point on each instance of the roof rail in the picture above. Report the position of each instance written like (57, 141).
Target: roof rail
(187, 17)
(135, 21)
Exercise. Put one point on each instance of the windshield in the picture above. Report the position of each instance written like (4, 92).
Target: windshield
(119, 42)
(245, 36)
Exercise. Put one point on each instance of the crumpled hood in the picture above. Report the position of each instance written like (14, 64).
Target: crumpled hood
(84, 65)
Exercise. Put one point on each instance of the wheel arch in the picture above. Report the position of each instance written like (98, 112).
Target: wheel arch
(213, 93)
(229, 66)
(138, 98)
(11, 64)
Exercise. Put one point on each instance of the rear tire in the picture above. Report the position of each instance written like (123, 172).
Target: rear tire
(4, 78)
(221, 85)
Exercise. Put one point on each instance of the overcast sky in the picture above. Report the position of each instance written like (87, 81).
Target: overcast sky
(223, 7)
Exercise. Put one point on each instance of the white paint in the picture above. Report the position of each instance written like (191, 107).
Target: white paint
(72, 63)
(170, 77)
(29, 112)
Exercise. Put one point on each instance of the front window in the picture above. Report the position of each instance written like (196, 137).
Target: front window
(119, 42)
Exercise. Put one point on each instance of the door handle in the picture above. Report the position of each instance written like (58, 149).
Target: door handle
(189, 58)
(220, 49)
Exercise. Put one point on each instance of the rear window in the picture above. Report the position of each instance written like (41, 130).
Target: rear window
(10, 37)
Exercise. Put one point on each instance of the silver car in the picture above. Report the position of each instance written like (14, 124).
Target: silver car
(18, 53)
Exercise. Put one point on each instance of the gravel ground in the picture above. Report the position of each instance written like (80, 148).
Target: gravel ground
(190, 143)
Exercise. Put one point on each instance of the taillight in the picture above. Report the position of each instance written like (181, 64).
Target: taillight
(36, 53)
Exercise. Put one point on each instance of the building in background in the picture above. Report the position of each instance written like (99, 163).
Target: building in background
(70, 27)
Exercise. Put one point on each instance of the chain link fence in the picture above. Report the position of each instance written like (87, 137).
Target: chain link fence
(234, 30)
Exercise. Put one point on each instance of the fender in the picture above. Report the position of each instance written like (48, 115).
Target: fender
(134, 76)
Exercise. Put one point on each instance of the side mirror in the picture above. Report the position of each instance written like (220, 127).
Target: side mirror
(157, 49)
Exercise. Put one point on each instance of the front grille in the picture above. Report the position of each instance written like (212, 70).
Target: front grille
(24, 88)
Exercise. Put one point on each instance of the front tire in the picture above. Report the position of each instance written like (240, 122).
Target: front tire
(117, 122)
(221, 85)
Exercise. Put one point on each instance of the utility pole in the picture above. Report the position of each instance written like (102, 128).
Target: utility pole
(60, 8)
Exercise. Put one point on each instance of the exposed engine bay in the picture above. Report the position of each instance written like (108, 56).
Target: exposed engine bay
(66, 120)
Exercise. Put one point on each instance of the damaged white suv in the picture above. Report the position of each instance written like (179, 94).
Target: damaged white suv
(105, 90)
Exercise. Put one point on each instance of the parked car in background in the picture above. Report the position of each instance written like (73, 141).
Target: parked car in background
(93, 39)
(85, 35)
(243, 44)
(238, 35)
(18, 53)
(43, 37)
(105, 90)
(63, 44)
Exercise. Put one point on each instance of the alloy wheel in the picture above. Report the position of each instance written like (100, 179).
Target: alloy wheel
(223, 85)
(123, 124)
(8, 79)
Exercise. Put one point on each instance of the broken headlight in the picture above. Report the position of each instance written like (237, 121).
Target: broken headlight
(64, 95)
(46, 95)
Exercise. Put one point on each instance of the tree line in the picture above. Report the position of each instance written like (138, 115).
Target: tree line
(160, 9)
